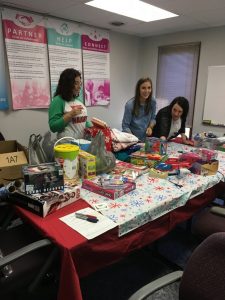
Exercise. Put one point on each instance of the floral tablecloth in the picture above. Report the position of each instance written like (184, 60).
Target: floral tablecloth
(154, 197)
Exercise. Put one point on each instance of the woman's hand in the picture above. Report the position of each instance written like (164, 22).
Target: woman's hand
(76, 110)
(149, 131)
(163, 138)
(186, 141)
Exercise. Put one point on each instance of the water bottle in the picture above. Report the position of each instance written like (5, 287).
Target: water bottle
(6, 270)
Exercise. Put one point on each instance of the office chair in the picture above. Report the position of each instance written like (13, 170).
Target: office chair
(209, 221)
(26, 260)
(202, 278)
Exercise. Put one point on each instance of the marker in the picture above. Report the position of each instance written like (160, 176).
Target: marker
(88, 218)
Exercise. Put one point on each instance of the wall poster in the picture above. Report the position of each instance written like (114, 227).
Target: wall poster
(3, 92)
(96, 66)
(64, 47)
(26, 49)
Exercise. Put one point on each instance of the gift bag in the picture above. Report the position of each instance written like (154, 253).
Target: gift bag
(36, 153)
(105, 160)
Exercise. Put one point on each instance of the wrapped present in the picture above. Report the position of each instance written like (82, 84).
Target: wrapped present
(91, 132)
(99, 123)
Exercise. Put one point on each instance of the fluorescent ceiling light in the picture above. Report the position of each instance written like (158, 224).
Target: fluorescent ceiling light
(133, 9)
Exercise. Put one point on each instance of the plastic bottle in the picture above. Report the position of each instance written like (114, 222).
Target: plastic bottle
(197, 140)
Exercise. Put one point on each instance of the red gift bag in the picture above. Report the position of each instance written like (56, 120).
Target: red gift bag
(91, 132)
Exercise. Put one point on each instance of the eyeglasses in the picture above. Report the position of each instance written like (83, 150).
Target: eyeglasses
(78, 82)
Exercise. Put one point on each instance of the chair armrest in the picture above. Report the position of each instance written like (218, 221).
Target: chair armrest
(156, 285)
(218, 211)
(23, 251)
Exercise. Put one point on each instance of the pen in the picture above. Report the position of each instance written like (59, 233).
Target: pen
(176, 184)
(89, 218)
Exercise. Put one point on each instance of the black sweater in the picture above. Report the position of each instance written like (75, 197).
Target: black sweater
(163, 123)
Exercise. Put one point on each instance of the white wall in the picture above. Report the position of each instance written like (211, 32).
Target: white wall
(124, 66)
(212, 53)
(124, 58)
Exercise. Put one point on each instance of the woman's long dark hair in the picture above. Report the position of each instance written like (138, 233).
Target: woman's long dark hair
(137, 104)
(182, 102)
(66, 83)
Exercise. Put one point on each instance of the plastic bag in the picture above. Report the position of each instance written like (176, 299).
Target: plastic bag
(105, 160)
(48, 146)
(35, 152)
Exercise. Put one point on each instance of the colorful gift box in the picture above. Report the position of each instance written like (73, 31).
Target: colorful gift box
(87, 165)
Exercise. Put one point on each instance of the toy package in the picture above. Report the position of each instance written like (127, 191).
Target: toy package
(119, 188)
(87, 165)
(43, 178)
(44, 204)
(155, 145)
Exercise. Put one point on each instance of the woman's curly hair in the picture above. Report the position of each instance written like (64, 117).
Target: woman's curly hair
(66, 83)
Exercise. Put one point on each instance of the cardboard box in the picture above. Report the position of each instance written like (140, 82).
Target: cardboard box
(87, 165)
(46, 203)
(43, 178)
(94, 186)
(12, 157)
(205, 169)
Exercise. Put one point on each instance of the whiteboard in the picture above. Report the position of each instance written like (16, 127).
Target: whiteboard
(214, 109)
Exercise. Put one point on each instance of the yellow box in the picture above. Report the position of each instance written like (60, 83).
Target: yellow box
(87, 165)
(205, 169)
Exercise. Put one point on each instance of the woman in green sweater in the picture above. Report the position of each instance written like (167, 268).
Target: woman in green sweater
(67, 114)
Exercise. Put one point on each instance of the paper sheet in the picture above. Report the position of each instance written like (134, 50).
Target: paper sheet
(88, 229)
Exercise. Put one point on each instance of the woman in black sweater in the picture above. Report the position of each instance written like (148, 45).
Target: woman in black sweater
(170, 120)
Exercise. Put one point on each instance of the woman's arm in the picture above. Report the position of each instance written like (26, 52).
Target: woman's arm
(55, 115)
(163, 123)
(152, 119)
(127, 117)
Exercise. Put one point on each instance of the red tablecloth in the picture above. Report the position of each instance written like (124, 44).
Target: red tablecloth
(81, 257)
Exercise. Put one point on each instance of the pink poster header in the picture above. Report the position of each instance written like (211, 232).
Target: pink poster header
(36, 34)
(91, 45)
